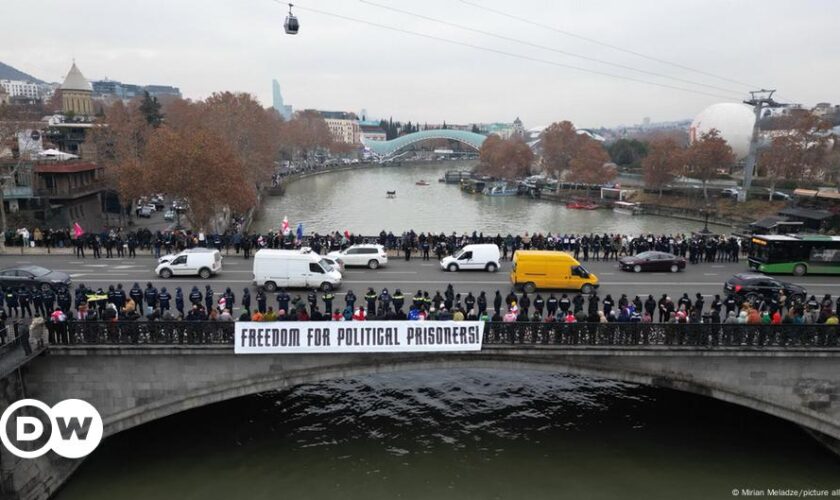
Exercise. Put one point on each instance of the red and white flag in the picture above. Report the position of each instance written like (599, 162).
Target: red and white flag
(284, 228)
(77, 230)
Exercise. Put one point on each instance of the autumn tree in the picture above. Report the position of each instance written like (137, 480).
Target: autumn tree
(304, 134)
(560, 143)
(662, 163)
(505, 158)
(202, 168)
(251, 131)
(780, 161)
(706, 156)
(591, 164)
(120, 142)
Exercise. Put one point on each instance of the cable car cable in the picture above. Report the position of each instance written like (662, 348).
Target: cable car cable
(609, 45)
(511, 54)
(559, 51)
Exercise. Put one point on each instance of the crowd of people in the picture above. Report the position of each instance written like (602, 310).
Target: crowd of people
(119, 243)
(49, 312)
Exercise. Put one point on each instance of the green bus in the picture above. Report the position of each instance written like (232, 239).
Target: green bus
(796, 254)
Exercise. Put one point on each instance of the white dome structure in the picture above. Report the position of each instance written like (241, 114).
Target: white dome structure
(734, 121)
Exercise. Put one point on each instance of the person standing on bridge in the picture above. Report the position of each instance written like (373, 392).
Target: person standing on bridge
(370, 299)
(261, 301)
(398, 299)
(327, 296)
(179, 301)
(136, 295)
(195, 296)
(246, 298)
(11, 301)
(350, 300)
(208, 298)
(24, 299)
(164, 297)
(283, 300)
(481, 302)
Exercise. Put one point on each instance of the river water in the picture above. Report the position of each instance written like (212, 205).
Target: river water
(355, 200)
(457, 434)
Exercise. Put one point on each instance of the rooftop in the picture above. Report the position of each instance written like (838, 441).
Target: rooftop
(75, 80)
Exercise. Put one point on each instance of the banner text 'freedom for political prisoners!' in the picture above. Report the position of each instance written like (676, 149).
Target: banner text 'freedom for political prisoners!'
(274, 337)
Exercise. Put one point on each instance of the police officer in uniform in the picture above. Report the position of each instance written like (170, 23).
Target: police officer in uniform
(384, 302)
(370, 298)
(23, 299)
(481, 301)
(328, 298)
(48, 300)
(497, 302)
(350, 299)
(195, 296)
(469, 302)
(38, 302)
(261, 301)
(539, 304)
(136, 295)
(63, 299)
(399, 300)
(551, 305)
(246, 299)
(179, 301)
(150, 295)
(208, 298)
(283, 300)
(164, 297)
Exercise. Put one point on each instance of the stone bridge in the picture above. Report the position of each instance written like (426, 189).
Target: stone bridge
(131, 384)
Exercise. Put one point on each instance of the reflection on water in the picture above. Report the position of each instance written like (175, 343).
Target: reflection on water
(355, 200)
(457, 434)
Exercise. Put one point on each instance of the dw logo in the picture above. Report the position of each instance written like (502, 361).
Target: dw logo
(75, 428)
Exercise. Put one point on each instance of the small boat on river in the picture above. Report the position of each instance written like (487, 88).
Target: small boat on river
(421, 183)
(582, 205)
(501, 189)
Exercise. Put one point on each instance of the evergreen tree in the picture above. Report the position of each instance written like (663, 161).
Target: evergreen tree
(150, 108)
(444, 125)
(475, 129)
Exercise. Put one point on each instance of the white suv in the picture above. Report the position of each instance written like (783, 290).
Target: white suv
(371, 256)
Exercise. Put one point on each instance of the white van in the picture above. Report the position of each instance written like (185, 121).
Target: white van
(204, 262)
(275, 269)
(483, 256)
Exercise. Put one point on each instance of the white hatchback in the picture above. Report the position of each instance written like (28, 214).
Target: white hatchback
(371, 256)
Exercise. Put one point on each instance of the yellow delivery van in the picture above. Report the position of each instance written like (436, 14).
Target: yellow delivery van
(533, 269)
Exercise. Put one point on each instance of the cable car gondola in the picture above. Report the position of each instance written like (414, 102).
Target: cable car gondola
(291, 25)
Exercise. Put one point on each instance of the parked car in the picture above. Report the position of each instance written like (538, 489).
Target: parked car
(754, 286)
(169, 215)
(484, 257)
(204, 262)
(30, 276)
(368, 255)
(731, 192)
(777, 195)
(652, 261)
(144, 212)
(275, 269)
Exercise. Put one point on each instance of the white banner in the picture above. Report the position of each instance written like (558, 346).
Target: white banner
(276, 337)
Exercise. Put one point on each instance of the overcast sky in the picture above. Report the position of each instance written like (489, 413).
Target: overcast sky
(336, 64)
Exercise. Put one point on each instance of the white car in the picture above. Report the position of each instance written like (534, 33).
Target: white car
(371, 256)
(205, 262)
(151, 207)
(480, 256)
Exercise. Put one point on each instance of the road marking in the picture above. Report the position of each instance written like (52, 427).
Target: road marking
(718, 266)
(606, 274)
(711, 274)
(382, 272)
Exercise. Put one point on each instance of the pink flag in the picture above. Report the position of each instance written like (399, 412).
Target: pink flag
(77, 230)
(284, 229)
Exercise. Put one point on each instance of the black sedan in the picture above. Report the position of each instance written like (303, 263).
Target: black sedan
(652, 261)
(32, 276)
(755, 286)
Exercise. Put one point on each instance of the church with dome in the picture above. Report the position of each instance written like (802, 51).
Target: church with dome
(76, 94)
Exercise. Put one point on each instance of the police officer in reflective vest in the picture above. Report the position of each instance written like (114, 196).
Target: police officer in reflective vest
(398, 299)
(370, 298)
(328, 298)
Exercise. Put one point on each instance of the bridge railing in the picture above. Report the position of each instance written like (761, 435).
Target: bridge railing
(515, 334)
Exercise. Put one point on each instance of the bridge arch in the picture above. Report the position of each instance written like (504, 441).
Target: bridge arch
(389, 148)
(200, 376)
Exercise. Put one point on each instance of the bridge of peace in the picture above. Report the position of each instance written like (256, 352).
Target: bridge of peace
(136, 373)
